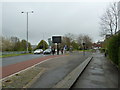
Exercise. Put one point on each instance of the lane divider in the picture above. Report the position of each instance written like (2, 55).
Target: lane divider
(71, 78)
(35, 78)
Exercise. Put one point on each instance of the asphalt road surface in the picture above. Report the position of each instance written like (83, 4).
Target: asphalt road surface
(16, 59)
(14, 68)
(58, 68)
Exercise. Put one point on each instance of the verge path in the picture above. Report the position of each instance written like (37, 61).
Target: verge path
(14, 68)
(100, 73)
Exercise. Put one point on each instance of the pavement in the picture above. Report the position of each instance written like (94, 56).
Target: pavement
(100, 73)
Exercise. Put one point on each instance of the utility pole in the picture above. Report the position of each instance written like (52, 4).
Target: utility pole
(27, 28)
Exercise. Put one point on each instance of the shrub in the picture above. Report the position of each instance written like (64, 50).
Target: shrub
(119, 57)
(113, 48)
(42, 45)
(102, 50)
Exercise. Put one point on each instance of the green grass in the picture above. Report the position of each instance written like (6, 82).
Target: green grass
(11, 55)
(86, 50)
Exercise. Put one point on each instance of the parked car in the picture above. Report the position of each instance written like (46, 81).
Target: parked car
(38, 51)
(47, 51)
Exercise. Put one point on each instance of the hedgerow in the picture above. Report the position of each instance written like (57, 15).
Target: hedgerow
(113, 47)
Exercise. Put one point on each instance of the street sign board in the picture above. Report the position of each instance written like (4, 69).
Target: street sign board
(56, 39)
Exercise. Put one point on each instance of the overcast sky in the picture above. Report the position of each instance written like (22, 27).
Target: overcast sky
(52, 18)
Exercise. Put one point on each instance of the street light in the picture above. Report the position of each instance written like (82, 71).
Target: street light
(27, 27)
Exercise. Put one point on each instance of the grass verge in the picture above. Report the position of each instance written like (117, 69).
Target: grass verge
(23, 79)
(11, 55)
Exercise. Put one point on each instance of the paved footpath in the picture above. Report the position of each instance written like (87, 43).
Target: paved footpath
(11, 69)
(100, 73)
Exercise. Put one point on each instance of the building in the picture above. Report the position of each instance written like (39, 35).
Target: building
(98, 44)
(50, 42)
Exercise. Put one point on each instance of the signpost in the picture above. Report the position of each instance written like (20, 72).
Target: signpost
(84, 49)
(56, 39)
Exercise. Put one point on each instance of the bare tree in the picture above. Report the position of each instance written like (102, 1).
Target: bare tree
(84, 39)
(109, 20)
(70, 36)
(76, 41)
(88, 41)
(80, 39)
(66, 41)
(7, 45)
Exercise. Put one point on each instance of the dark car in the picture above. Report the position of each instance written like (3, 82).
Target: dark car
(47, 51)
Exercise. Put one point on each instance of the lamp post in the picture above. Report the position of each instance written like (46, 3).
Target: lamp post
(27, 27)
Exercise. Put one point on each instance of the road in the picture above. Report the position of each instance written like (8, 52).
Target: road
(16, 59)
(99, 73)
(58, 68)
(14, 68)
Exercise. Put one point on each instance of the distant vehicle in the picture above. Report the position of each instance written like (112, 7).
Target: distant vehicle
(38, 51)
(95, 48)
(47, 51)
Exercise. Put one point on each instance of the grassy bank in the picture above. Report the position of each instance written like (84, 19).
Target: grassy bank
(11, 55)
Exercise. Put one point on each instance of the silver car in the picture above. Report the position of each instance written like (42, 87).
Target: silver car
(38, 51)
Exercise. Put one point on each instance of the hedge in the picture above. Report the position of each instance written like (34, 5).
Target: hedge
(119, 57)
(113, 49)
(102, 50)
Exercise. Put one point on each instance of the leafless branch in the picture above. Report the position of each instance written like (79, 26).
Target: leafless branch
(109, 20)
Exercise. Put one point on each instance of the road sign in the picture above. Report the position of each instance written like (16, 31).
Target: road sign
(56, 39)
